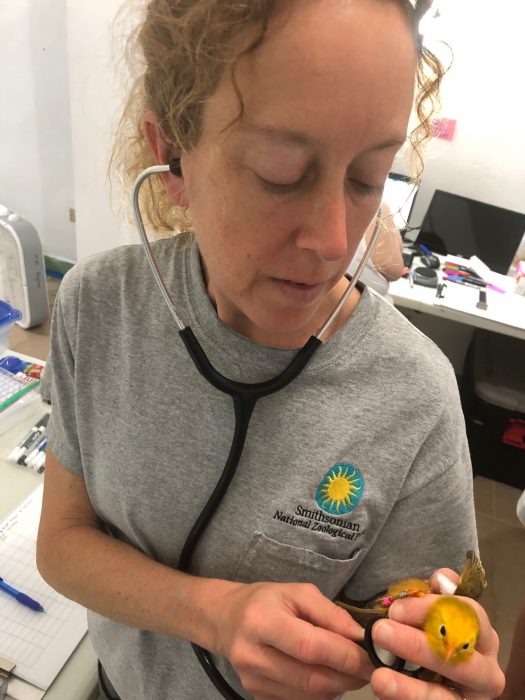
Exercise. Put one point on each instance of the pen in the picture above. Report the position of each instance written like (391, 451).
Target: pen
(20, 597)
(39, 461)
(36, 452)
(411, 278)
(468, 282)
(29, 449)
(462, 268)
(40, 464)
(35, 431)
(496, 289)
(460, 273)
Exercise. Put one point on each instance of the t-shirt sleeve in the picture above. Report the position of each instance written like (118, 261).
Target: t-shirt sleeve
(58, 380)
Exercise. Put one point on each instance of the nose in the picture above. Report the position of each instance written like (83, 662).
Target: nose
(325, 226)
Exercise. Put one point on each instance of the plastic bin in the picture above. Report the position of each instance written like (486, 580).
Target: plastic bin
(493, 393)
(8, 316)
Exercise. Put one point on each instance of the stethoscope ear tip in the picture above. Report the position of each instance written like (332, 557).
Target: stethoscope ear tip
(175, 167)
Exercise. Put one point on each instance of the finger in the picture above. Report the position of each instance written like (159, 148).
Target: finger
(311, 605)
(308, 679)
(318, 632)
(414, 611)
(479, 673)
(390, 685)
(316, 646)
(264, 689)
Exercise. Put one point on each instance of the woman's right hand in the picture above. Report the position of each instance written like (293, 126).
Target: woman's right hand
(289, 641)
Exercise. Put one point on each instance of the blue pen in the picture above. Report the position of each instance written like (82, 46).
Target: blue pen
(20, 597)
(425, 250)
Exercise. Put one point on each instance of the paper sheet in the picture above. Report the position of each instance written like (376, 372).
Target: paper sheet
(39, 643)
(21, 690)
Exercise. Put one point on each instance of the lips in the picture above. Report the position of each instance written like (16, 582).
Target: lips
(300, 291)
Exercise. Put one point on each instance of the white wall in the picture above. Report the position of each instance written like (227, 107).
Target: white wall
(36, 178)
(485, 92)
(96, 97)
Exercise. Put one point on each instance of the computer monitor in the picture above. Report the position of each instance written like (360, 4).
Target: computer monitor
(399, 194)
(460, 226)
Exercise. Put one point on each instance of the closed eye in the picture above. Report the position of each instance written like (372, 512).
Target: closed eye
(361, 188)
(280, 187)
(366, 189)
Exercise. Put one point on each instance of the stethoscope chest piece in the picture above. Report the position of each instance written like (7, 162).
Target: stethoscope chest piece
(384, 659)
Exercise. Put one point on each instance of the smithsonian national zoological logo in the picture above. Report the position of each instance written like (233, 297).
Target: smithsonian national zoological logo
(341, 490)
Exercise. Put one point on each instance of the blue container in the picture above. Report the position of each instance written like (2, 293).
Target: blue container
(8, 316)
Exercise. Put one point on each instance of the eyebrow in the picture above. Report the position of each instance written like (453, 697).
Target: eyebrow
(299, 139)
(276, 134)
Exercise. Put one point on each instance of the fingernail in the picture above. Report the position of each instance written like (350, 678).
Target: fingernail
(397, 611)
(382, 632)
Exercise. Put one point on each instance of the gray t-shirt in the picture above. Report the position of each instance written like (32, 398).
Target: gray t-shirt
(355, 475)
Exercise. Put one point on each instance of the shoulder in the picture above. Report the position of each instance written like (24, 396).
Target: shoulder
(409, 354)
(114, 293)
(100, 268)
(123, 270)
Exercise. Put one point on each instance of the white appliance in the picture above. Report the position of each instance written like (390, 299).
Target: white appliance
(22, 270)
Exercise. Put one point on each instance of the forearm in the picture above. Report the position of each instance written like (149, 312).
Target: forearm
(116, 580)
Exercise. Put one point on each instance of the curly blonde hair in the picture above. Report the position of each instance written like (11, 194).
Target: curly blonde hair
(177, 57)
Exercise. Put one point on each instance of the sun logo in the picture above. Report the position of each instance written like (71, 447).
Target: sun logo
(341, 490)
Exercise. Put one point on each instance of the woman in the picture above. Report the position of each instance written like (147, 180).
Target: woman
(386, 264)
(286, 117)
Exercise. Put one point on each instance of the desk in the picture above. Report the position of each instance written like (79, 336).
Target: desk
(505, 313)
(78, 678)
(450, 322)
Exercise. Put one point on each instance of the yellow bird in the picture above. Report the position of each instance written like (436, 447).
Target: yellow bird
(451, 628)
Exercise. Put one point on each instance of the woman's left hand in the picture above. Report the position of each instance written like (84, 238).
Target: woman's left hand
(478, 678)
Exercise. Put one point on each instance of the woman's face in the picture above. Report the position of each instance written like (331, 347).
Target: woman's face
(280, 200)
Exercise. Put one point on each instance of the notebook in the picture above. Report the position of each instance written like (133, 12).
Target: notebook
(13, 387)
(39, 643)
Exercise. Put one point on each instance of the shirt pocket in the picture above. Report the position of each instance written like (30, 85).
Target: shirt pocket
(269, 560)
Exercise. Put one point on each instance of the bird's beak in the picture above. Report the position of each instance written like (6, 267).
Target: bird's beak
(449, 650)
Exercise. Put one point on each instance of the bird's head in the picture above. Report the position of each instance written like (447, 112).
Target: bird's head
(452, 629)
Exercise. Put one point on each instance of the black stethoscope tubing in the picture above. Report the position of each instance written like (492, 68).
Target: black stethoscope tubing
(244, 396)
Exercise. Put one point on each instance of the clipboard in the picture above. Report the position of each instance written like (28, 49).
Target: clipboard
(38, 643)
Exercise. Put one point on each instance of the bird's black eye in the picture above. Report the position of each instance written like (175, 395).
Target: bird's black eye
(442, 630)
(465, 646)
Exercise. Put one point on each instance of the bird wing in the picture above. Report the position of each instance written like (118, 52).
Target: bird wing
(473, 579)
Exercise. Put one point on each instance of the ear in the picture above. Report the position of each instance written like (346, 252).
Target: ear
(163, 151)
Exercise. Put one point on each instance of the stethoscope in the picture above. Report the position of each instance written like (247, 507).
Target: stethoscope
(244, 396)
